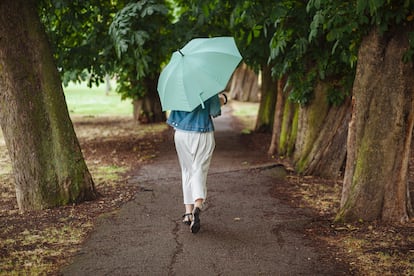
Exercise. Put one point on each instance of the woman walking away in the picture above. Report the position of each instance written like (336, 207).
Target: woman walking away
(194, 143)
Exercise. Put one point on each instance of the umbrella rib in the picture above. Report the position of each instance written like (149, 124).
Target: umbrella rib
(215, 52)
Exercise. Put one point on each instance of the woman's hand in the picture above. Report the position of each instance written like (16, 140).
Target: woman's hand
(223, 98)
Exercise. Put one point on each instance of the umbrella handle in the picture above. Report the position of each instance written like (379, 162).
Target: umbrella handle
(201, 100)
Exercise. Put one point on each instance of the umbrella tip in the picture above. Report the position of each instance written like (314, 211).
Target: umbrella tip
(180, 52)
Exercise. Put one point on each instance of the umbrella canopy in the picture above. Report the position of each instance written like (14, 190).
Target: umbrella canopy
(198, 71)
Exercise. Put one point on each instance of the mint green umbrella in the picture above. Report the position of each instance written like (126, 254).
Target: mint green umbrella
(198, 71)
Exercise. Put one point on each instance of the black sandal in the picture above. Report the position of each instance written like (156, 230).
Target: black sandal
(187, 218)
(195, 224)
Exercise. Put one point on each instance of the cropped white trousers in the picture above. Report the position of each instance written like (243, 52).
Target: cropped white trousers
(194, 150)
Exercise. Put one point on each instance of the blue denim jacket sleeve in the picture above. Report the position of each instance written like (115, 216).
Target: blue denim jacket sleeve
(199, 119)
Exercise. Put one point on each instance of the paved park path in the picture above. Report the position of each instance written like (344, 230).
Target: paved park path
(244, 231)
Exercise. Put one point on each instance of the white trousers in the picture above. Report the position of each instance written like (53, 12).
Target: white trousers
(194, 150)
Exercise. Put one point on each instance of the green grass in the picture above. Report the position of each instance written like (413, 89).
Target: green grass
(85, 101)
(246, 112)
(244, 109)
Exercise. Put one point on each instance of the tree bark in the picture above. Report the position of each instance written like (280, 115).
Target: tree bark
(289, 129)
(265, 116)
(320, 147)
(148, 109)
(244, 85)
(277, 121)
(380, 131)
(49, 169)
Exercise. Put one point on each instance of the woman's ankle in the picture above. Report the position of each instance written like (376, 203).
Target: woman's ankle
(198, 204)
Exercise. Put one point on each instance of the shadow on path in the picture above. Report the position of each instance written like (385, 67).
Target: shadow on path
(244, 230)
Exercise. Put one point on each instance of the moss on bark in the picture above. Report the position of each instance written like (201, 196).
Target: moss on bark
(47, 160)
(379, 142)
(265, 115)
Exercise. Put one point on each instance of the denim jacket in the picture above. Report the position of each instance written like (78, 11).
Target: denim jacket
(198, 120)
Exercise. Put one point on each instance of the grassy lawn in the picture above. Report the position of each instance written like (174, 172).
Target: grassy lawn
(246, 113)
(85, 101)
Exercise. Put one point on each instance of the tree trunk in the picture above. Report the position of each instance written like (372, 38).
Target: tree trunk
(108, 86)
(289, 129)
(265, 116)
(321, 140)
(277, 121)
(148, 109)
(380, 131)
(244, 85)
(48, 165)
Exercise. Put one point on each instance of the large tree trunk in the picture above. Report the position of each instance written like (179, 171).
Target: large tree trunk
(148, 109)
(265, 116)
(380, 132)
(321, 139)
(48, 165)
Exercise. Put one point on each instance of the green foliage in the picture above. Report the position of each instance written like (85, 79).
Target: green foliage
(201, 18)
(136, 32)
(320, 41)
(305, 41)
(293, 55)
(335, 24)
(384, 13)
(409, 55)
(92, 39)
(78, 31)
(132, 38)
(345, 22)
(269, 32)
(249, 22)
(252, 24)
(339, 89)
(388, 15)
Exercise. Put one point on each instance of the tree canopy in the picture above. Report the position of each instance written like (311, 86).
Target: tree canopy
(317, 40)
(141, 38)
(340, 26)
(78, 32)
